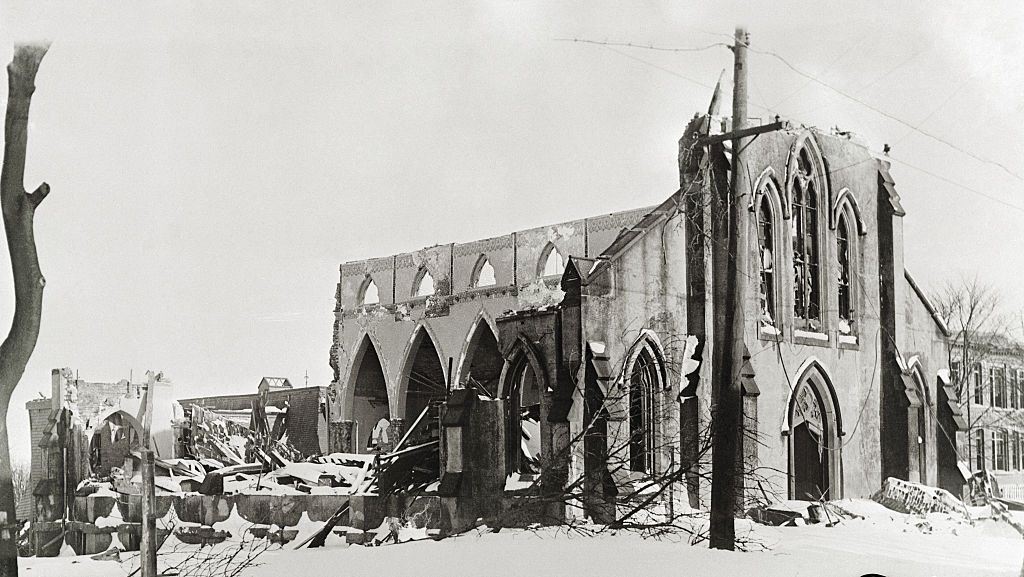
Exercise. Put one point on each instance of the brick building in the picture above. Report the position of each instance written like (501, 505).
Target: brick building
(94, 426)
(994, 403)
(595, 336)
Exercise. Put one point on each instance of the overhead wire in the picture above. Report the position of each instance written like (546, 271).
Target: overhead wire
(812, 78)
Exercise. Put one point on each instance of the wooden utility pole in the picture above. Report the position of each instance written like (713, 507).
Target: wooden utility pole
(147, 548)
(726, 472)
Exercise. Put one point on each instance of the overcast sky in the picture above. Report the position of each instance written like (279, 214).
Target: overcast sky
(213, 163)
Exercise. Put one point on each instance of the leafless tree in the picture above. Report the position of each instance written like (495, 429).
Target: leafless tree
(19, 207)
(652, 501)
(21, 478)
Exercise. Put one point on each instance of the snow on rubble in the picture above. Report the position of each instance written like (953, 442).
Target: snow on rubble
(867, 537)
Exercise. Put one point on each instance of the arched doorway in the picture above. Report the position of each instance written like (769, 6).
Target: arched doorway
(424, 383)
(112, 441)
(483, 363)
(814, 452)
(371, 411)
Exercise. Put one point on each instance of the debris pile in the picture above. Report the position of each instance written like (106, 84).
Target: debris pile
(914, 498)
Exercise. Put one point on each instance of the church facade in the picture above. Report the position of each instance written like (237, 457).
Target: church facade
(594, 338)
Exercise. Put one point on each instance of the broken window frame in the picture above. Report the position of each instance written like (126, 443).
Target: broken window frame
(767, 252)
(364, 292)
(420, 282)
(553, 257)
(475, 281)
(845, 275)
(806, 237)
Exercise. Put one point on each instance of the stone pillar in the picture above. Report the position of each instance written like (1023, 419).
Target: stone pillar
(339, 438)
(395, 432)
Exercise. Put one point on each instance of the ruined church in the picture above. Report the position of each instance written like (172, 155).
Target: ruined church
(575, 358)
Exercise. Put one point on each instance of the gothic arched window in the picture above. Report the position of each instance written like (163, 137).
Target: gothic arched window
(424, 285)
(645, 383)
(369, 294)
(483, 273)
(844, 274)
(766, 260)
(806, 257)
(552, 263)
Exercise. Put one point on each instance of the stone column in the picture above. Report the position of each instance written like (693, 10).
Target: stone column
(395, 432)
(339, 438)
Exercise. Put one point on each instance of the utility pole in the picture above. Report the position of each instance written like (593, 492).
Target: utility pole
(726, 472)
(147, 548)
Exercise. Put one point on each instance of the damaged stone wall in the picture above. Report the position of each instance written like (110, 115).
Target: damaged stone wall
(456, 309)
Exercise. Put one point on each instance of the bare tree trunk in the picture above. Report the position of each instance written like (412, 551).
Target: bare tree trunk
(18, 208)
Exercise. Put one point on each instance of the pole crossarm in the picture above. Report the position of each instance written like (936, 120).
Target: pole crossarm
(744, 132)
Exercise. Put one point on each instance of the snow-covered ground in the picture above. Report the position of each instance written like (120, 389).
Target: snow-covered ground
(885, 543)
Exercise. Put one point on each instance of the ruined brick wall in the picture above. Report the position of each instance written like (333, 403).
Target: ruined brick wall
(38, 419)
(458, 307)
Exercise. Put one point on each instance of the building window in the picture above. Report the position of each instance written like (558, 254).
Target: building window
(997, 379)
(806, 258)
(979, 450)
(1011, 389)
(424, 285)
(551, 262)
(1015, 446)
(766, 252)
(999, 450)
(645, 379)
(979, 392)
(844, 280)
(483, 273)
(369, 295)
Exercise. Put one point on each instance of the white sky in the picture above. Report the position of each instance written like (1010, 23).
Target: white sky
(212, 163)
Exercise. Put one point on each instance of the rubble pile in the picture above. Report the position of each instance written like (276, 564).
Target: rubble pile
(228, 480)
(914, 498)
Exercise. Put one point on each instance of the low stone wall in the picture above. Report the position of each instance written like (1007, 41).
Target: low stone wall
(93, 527)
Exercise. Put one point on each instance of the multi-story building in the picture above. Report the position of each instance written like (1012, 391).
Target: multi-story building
(993, 401)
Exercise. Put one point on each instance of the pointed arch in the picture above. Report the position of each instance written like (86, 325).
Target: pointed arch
(368, 292)
(767, 184)
(114, 436)
(805, 150)
(644, 379)
(522, 382)
(847, 202)
(423, 377)
(423, 285)
(480, 357)
(769, 211)
(814, 428)
(807, 194)
(483, 273)
(552, 262)
(366, 399)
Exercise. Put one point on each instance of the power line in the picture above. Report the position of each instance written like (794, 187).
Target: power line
(892, 117)
(646, 46)
(957, 184)
(808, 76)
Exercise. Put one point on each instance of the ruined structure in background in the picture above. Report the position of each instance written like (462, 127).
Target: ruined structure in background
(258, 454)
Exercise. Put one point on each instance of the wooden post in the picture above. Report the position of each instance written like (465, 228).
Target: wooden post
(727, 416)
(148, 547)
